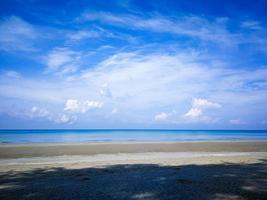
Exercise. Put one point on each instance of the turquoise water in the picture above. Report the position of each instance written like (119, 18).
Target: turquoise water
(84, 136)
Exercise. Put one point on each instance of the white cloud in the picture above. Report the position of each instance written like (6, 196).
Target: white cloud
(62, 61)
(71, 105)
(216, 30)
(89, 105)
(132, 78)
(114, 111)
(65, 119)
(143, 84)
(199, 106)
(237, 122)
(42, 113)
(68, 69)
(169, 117)
(74, 105)
(34, 113)
(105, 91)
(17, 35)
(161, 116)
(39, 112)
(204, 103)
(84, 34)
(11, 74)
(251, 24)
(194, 113)
(97, 32)
(192, 26)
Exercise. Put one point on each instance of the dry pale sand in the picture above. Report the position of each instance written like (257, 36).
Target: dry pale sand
(204, 170)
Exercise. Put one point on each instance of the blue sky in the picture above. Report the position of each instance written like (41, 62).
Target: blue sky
(133, 64)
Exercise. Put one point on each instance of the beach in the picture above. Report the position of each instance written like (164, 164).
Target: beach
(133, 100)
(135, 170)
(48, 149)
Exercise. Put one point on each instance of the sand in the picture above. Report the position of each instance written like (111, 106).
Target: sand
(194, 170)
(39, 150)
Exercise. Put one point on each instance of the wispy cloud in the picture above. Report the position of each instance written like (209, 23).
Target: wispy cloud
(237, 122)
(66, 119)
(192, 26)
(83, 34)
(62, 61)
(37, 112)
(251, 24)
(105, 91)
(144, 84)
(43, 113)
(221, 31)
(11, 74)
(17, 35)
(93, 33)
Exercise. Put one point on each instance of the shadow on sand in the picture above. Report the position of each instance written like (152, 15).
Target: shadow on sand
(139, 181)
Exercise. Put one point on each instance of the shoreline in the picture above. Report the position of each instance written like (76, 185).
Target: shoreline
(46, 150)
(127, 142)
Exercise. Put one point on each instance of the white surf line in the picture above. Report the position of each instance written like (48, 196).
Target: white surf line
(121, 157)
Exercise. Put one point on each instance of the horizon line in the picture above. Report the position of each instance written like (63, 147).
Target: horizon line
(130, 129)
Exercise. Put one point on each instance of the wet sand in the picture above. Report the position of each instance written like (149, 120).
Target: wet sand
(39, 150)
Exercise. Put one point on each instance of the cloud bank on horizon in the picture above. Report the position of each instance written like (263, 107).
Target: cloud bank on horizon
(133, 64)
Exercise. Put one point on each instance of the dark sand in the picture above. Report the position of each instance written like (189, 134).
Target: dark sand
(223, 174)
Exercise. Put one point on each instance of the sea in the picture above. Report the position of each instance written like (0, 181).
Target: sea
(93, 136)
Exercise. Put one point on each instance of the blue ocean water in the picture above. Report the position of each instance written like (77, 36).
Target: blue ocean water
(84, 136)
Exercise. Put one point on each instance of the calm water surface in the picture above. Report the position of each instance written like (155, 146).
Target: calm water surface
(84, 136)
